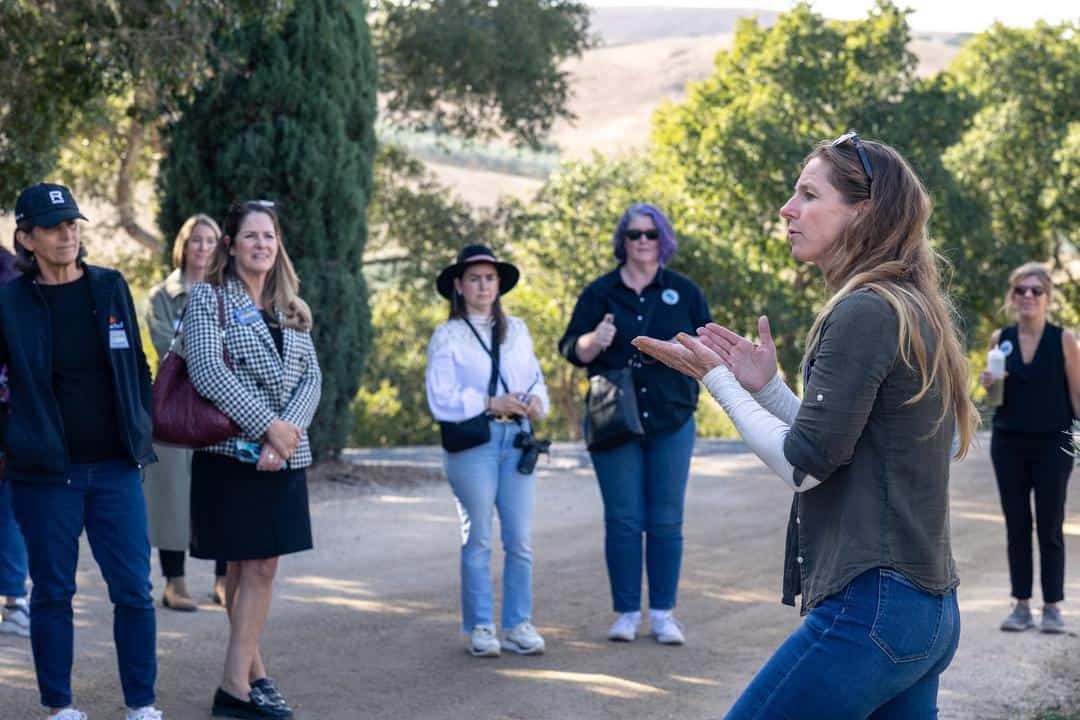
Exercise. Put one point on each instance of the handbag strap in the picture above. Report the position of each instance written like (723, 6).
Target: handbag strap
(220, 295)
(496, 375)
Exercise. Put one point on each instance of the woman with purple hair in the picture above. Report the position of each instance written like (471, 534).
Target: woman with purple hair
(642, 475)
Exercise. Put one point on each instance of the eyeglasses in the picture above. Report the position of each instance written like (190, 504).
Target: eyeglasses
(648, 234)
(853, 138)
(1020, 291)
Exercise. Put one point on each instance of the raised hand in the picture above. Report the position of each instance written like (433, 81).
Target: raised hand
(605, 331)
(686, 354)
(752, 364)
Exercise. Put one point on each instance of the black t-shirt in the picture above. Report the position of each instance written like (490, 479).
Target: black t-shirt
(81, 375)
(666, 397)
(276, 333)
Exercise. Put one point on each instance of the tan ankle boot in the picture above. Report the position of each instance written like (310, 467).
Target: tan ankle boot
(176, 596)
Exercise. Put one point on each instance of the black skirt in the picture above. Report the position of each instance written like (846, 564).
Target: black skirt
(240, 513)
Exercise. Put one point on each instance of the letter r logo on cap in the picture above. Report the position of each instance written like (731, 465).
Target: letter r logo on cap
(57, 197)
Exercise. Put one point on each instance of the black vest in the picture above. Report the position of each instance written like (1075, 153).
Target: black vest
(1037, 394)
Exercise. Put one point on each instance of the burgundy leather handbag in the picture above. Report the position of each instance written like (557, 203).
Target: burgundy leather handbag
(182, 416)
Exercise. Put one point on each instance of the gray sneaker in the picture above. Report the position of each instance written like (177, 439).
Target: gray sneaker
(1018, 620)
(1051, 621)
(16, 618)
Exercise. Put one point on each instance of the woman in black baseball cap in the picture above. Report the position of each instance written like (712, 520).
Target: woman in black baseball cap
(76, 437)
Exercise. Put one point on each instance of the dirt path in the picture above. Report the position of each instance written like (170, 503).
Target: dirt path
(366, 626)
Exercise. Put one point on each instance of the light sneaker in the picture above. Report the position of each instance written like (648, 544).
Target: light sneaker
(666, 629)
(144, 713)
(68, 714)
(1018, 620)
(16, 619)
(1052, 623)
(524, 640)
(625, 627)
(483, 642)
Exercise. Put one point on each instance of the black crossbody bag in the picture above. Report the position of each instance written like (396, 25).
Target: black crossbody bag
(458, 436)
(611, 405)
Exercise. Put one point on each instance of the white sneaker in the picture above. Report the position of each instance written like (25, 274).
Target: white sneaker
(68, 714)
(625, 627)
(16, 619)
(483, 642)
(524, 640)
(144, 713)
(666, 628)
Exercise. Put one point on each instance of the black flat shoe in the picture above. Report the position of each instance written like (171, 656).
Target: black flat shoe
(256, 707)
(270, 689)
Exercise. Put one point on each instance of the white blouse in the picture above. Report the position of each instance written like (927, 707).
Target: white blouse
(458, 369)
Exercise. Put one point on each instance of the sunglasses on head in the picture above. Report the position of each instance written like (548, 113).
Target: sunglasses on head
(853, 138)
(637, 234)
(1020, 291)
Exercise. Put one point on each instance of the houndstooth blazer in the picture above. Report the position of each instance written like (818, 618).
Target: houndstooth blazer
(262, 386)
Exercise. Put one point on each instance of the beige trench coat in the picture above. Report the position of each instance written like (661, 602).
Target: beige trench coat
(167, 483)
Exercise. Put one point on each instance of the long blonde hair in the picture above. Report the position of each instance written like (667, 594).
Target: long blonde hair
(886, 249)
(179, 259)
(282, 288)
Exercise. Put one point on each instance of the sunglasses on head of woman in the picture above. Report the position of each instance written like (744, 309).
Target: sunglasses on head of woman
(647, 234)
(856, 142)
(1020, 290)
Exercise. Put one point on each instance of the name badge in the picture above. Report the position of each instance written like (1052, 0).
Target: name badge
(117, 336)
(247, 315)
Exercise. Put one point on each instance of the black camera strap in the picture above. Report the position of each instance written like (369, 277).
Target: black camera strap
(493, 353)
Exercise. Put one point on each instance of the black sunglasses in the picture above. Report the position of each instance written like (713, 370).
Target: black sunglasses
(1019, 290)
(636, 234)
(853, 138)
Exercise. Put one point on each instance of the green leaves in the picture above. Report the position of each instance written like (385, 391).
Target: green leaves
(475, 68)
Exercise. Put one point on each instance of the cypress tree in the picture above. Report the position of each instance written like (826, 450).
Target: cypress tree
(291, 119)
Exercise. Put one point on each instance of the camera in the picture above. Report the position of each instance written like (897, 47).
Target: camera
(531, 448)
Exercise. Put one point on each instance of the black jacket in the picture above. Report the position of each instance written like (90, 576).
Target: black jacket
(33, 432)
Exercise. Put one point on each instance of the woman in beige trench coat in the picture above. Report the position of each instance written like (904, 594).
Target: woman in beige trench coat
(167, 484)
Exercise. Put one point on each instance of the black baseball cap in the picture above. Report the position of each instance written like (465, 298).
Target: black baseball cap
(45, 205)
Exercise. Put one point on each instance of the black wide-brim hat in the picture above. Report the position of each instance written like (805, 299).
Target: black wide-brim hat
(469, 255)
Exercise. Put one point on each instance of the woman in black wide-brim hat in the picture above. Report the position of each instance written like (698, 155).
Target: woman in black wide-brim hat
(485, 388)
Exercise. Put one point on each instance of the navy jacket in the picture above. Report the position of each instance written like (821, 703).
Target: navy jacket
(33, 432)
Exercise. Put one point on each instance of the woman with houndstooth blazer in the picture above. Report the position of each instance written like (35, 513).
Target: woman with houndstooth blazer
(249, 500)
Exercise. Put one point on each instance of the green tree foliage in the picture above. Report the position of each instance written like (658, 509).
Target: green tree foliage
(295, 125)
(475, 68)
(65, 67)
(733, 149)
(1020, 155)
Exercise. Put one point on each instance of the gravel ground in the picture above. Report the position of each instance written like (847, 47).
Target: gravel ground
(367, 624)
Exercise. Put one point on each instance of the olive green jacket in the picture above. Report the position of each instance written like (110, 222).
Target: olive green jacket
(884, 464)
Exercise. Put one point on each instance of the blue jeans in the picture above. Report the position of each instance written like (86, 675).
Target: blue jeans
(643, 484)
(12, 549)
(484, 479)
(873, 650)
(106, 498)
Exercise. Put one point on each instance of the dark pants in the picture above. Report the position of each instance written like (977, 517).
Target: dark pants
(105, 498)
(1026, 462)
(172, 564)
(643, 484)
(874, 650)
